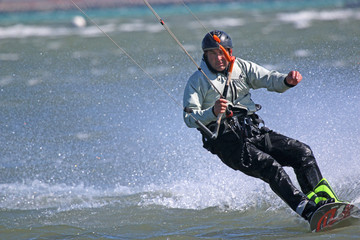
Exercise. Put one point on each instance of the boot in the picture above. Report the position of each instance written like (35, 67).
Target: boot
(307, 208)
(323, 191)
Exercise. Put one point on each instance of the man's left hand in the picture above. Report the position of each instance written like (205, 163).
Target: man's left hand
(293, 78)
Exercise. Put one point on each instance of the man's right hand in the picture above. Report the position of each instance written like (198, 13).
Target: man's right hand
(220, 106)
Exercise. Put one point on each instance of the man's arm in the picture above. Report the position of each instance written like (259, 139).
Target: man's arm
(193, 99)
(260, 77)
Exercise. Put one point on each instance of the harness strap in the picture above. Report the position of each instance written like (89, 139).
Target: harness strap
(242, 126)
(268, 143)
(258, 120)
(250, 126)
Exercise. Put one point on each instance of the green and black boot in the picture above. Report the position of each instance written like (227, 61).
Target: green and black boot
(322, 192)
(321, 195)
(307, 208)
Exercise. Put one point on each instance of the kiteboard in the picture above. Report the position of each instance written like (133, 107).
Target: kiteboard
(334, 215)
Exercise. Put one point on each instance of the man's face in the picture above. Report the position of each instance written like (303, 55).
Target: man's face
(217, 60)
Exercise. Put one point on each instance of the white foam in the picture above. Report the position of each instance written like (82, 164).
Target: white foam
(82, 29)
(226, 22)
(25, 31)
(233, 191)
(94, 30)
(229, 189)
(304, 19)
(39, 195)
(225, 189)
(140, 26)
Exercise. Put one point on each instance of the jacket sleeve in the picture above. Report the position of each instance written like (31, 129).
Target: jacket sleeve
(194, 95)
(260, 77)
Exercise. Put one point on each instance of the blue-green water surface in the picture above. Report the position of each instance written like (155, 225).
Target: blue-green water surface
(92, 148)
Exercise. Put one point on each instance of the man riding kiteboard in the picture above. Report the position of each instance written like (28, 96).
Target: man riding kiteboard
(241, 143)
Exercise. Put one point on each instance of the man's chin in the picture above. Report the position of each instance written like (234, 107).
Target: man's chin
(220, 69)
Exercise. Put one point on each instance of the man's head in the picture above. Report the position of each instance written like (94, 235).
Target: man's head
(209, 43)
(213, 55)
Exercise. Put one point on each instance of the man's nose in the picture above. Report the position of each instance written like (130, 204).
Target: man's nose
(220, 56)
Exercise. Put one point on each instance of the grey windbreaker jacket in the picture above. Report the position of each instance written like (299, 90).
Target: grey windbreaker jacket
(200, 96)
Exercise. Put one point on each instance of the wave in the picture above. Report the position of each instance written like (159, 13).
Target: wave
(235, 192)
(39, 195)
(26, 31)
(304, 19)
(301, 19)
(184, 194)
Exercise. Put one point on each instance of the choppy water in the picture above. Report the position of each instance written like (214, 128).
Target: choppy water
(91, 148)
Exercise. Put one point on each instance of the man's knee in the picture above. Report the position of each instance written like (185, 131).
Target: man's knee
(259, 164)
(302, 154)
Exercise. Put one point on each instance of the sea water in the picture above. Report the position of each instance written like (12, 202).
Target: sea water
(92, 148)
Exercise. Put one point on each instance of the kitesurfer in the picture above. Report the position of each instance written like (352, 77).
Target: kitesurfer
(243, 143)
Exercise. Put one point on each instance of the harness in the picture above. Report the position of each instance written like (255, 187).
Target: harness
(237, 126)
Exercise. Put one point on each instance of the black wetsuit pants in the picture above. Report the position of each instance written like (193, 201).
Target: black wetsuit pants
(254, 157)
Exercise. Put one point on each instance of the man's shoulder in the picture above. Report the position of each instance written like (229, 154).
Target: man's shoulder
(199, 77)
(197, 74)
(244, 63)
(249, 66)
(195, 78)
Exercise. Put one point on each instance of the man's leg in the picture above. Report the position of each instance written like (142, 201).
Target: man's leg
(250, 158)
(256, 163)
(299, 156)
(293, 153)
